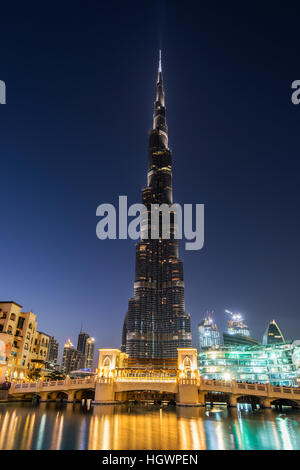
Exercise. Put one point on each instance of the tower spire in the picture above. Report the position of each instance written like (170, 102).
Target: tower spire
(156, 323)
(159, 116)
(159, 63)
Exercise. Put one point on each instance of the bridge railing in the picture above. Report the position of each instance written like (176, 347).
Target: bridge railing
(105, 380)
(148, 379)
(189, 381)
(250, 388)
(51, 384)
(293, 392)
(223, 386)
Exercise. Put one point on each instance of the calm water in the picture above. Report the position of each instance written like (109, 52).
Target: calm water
(59, 426)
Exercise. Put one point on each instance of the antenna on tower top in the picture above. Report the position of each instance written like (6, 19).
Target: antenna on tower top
(159, 63)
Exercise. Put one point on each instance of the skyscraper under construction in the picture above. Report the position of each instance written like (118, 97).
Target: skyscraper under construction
(156, 323)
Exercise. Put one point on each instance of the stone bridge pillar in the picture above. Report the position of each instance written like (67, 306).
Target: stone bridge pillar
(43, 395)
(232, 401)
(187, 393)
(265, 402)
(71, 395)
(201, 398)
(104, 391)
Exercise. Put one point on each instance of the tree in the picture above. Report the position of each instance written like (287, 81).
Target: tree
(35, 374)
(56, 375)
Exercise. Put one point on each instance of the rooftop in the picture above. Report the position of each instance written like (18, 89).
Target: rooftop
(10, 302)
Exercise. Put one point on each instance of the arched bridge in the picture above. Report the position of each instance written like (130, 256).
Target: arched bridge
(186, 391)
(68, 389)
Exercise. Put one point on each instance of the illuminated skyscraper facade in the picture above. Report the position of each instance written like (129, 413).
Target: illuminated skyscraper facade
(86, 345)
(273, 334)
(71, 358)
(209, 335)
(278, 364)
(53, 350)
(236, 325)
(156, 323)
(237, 332)
(89, 353)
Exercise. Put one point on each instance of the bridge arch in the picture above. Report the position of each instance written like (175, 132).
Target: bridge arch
(156, 396)
(62, 396)
(249, 399)
(52, 396)
(31, 396)
(279, 402)
(84, 394)
(213, 397)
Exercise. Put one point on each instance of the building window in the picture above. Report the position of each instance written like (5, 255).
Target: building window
(106, 362)
(13, 316)
(20, 323)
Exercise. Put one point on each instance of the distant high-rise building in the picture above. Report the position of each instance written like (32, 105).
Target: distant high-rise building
(89, 353)
(86, 345)
(273, 334)
(209, 336)
(71, 358)
(82, 338)
(237, 332)
(52, 350)
(236, 325)
(156, 323)
(238, 340)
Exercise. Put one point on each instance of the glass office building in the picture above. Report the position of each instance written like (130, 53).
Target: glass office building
(238, 333)
(273, 334)
(209, 336)
(278, 363)
(236, 325)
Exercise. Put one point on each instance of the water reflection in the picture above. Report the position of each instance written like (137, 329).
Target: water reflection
(55, 426)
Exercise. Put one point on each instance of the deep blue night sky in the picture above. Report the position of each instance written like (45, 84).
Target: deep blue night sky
(74, 133)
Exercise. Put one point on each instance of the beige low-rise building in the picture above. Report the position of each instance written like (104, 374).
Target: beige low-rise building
(28, 347)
